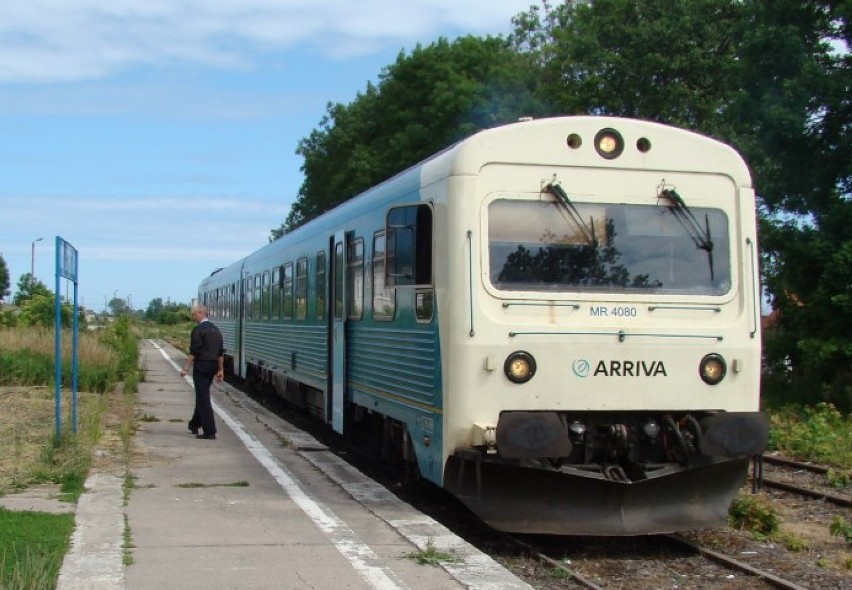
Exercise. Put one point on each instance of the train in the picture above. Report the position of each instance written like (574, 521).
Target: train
(556, 320)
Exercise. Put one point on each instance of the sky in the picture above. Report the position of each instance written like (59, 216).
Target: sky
(158, 137)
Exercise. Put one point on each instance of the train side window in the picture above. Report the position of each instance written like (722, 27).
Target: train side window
(409, 246)
(258, 300)
(320, 285)
(275, 312)
(355, 278)
(301, 288)
(384, 299)
(287, 288)
(247, 296)
(338, 281)
(264, 296)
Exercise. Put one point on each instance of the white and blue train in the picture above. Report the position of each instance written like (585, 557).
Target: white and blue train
(556, 320)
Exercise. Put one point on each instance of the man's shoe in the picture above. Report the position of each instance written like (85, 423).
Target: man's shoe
(192, 429)
(206, 436)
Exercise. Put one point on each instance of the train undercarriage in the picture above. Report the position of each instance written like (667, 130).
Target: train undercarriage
(607, 474)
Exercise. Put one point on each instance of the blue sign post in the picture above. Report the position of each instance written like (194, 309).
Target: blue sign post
(66, 267)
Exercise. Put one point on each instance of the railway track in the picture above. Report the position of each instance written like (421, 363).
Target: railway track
(756, 577)
(818, 488)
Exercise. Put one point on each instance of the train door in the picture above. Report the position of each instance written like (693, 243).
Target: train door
(337, 340)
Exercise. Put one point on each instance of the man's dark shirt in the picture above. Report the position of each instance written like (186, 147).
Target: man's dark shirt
(205, 342)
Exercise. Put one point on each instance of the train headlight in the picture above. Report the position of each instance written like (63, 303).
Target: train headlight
(519, 367)
(609, 143)
(712, 369)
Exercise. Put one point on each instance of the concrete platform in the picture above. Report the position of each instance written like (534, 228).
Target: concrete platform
(263, 506)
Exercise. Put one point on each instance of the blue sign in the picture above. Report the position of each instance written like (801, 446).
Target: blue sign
(66, 267)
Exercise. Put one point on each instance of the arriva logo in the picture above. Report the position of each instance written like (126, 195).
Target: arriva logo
(623, 368)
(581, 367)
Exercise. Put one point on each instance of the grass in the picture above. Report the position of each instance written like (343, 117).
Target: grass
(32, 546)
(431, 556)
(813, 433)
(27, 358)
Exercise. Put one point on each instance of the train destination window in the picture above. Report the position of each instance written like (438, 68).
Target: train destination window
(355, 279)
(287, 288)
(301, 288)
(537, 246)
(409, 246)
(384, 299)
(320, 285)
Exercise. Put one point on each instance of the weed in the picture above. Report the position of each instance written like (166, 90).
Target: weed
(840, 527)
(755, 514)
(839, 478)
(431, 556)
(148, 418)
(793, 542)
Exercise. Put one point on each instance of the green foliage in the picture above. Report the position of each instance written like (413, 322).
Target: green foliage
(5, 281)
(431, 556)
(839, 479)
(32, 546)
(793, 542)
(813, 433)
(424, 102)
(167, 313)
(840, 527)
(755, 514)
(27, 367)
(40, 310)
(29, 288)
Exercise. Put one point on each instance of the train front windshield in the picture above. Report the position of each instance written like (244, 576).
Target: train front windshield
(540, 245)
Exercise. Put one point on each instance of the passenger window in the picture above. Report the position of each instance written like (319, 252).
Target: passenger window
(264, 296)
(424, 305)
(384, 300)
(338, 281)
(355, 277)
(287, 288)
(276, 294)
(248, 295)
(258, 300)
(409, 246)
(320, 285)
(301, 288)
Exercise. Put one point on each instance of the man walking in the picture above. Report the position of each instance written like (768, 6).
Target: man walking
(207, 357)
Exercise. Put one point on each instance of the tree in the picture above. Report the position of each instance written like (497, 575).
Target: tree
(154, 310)
(669, 61)
(29, 288)
(796, 111)
(117, 306)
(4, 279)
(424, 102)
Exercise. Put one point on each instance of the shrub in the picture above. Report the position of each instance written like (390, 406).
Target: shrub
(753, 513)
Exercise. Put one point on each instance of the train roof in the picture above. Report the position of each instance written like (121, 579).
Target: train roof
(539, 142)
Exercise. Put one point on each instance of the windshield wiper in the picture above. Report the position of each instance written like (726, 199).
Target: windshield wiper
(555, 189)
(700, 236)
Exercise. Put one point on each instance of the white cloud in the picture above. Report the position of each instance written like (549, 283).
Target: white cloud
(73, 40)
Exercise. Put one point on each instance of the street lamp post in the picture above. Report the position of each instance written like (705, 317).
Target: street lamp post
(32, 261)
